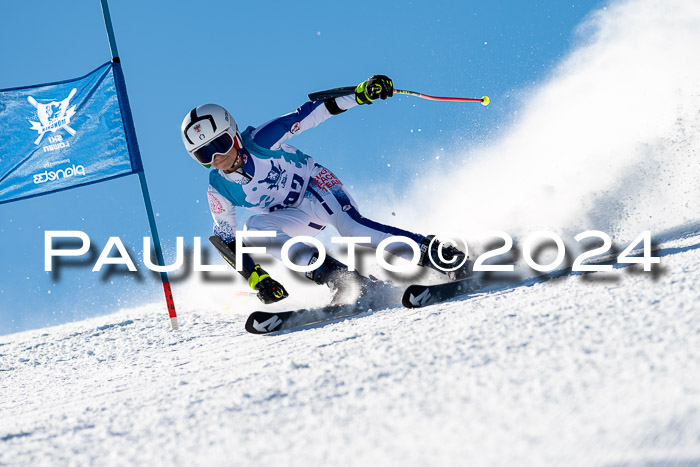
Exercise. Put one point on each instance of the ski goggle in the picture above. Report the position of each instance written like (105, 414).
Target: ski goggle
(219, 145)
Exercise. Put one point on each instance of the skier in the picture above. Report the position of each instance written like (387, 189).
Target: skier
(295, 196)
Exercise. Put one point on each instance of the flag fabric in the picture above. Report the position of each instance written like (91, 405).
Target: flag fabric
(63, 135)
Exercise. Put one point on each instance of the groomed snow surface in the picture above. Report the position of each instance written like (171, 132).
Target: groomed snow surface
(572, 371)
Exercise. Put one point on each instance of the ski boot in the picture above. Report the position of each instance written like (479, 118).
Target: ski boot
(345, 285)
(452, 257)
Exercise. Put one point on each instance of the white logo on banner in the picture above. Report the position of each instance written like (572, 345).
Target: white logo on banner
(51, 175)
(53, 116)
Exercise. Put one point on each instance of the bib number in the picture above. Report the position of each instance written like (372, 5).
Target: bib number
(294, 193)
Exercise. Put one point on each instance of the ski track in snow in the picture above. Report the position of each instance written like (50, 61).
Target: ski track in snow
(572, 371)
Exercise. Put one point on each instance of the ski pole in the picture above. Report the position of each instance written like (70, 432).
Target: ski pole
(484, 100)
(349, 90)
(243, 293)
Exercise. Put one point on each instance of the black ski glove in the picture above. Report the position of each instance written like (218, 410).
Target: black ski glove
(378, 86)
(269, 290)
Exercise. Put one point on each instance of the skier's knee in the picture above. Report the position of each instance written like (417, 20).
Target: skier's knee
(259, 223)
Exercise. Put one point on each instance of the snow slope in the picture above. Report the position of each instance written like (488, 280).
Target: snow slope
(580, 370)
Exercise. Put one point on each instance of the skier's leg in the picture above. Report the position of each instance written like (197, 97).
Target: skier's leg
(334, 205)
(331, 202)
(287, 223)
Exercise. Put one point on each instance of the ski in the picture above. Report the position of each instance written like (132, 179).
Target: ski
(416, 296)
(265, 322)
(375, 296)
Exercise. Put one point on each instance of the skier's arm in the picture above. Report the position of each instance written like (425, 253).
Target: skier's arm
(224, 239)
(269, 290)
(272, 134)
(224, 214)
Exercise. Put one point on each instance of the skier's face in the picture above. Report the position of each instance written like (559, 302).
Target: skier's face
(228, 162)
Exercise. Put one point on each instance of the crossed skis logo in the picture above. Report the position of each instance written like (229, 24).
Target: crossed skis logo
(53, 116)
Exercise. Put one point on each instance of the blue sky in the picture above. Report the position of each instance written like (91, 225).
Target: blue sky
(258, 59)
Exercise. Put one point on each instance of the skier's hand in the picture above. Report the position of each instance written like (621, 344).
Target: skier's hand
(269, 290)
(378, 86)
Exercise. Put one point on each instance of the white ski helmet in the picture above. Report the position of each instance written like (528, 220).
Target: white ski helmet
(208, 130)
